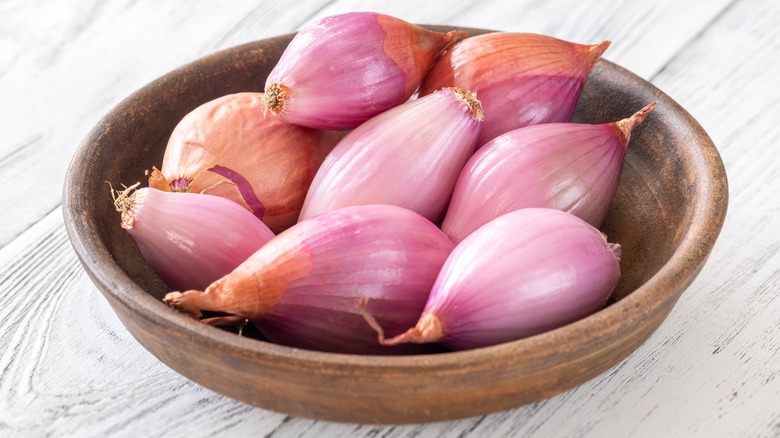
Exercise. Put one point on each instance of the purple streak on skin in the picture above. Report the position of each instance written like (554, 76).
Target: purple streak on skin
(243, 187)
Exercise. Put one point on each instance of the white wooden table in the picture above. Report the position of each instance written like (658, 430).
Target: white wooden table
(69, 368)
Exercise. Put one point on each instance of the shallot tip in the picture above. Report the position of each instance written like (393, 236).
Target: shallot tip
(454, 37)
(427, 330)
(595, 51)
(627, 125)
(187, 302)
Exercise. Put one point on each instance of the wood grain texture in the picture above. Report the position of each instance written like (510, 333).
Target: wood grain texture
(69, 368)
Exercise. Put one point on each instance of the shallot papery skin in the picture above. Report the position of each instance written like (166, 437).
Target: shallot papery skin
(571, 167)
(409, 156)
(522, 79)
(228, 147)
(344, 69)
(524, 273)
(306, 287)
(190, 240)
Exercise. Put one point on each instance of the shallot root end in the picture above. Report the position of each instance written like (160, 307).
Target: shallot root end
(471, 102)
(124, 202)
(273, 98)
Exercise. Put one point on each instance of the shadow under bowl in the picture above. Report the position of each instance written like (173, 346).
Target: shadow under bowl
(668, 212)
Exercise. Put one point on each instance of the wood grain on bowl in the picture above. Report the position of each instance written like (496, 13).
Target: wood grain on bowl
(668, 212)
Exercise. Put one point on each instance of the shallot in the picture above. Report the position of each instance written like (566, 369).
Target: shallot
(227, 147)
(567, 166)
(302, 287)
(344, 69)
(409, 156)
(359, 265)
(522, 79)
(190, 240)
(524, 273)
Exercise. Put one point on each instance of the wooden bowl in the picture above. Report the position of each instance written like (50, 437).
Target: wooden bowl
(667, 215)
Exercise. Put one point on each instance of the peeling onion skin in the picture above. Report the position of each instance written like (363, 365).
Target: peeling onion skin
(344, 69)
(303, 288)
(522, 274)
(190, 240)
(522, 79)
(409, 156)
(232, 133)
(571, 167)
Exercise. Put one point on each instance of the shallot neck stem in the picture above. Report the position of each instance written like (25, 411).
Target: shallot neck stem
(191, 301)
(595, 51)
(427, 330)
(625, 126)
(453, 37)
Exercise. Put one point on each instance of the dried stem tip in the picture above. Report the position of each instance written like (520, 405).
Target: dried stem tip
(470, 100)
(189, 302)
(273, 98)
(595, 51)
(427, 330)
(627, 125)
(453, 37)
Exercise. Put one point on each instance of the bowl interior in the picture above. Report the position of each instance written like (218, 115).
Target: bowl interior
(648, 218)
(667, 213)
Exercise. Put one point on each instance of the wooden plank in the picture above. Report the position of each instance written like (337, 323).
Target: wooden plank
(70, 367)
(726, 347)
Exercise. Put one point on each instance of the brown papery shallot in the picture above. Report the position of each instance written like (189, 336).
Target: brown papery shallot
(228, 147)
(302, 287)
(522, 79)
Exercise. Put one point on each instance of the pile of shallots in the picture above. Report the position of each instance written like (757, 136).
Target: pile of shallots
(464, 215)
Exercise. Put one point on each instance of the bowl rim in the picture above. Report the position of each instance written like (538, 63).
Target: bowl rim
(664, 286)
